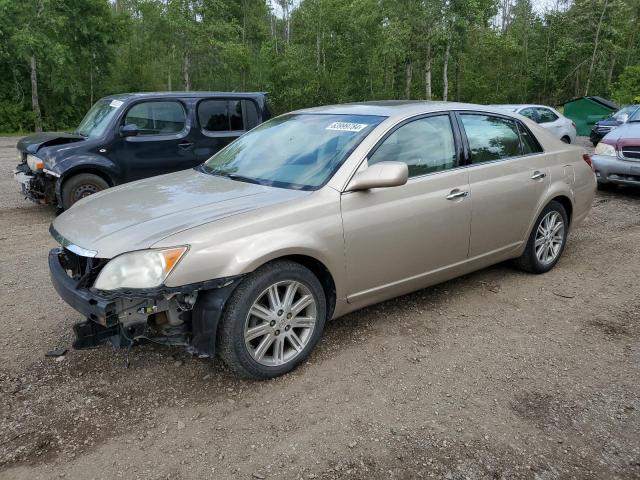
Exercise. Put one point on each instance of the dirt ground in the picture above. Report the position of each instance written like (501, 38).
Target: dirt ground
(498, 374)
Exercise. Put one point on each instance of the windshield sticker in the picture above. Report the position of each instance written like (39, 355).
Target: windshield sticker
(116, 103)
(347, 127)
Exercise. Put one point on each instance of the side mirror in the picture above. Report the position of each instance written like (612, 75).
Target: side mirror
(624, 118)
(129, 130)
(380, 175)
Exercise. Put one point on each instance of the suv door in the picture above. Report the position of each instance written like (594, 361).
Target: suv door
(507, 177)
(401, 238)
(221, 121)
(163, 143)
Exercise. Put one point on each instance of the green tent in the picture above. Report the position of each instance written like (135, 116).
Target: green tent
(585, 111)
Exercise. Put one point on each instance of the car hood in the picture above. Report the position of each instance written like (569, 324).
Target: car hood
(32, 143)
(627, 134)
(137, 215)
(607, 123)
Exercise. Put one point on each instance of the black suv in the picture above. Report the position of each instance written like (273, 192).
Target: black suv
(602, 127)
(132, 136)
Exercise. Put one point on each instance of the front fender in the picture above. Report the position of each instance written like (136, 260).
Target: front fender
(83, 163)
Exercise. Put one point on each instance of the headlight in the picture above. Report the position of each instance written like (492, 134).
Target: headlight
(35, 164)
(605, 149)
(141, 269)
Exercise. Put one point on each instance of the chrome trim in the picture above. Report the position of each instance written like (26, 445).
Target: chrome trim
(83, 252)
(51, 172)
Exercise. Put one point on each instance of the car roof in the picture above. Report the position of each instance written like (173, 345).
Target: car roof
(196, 94)
(517, 106)
(396, 108)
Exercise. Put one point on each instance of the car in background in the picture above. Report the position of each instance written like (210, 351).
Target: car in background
(548, 118)
(132, 136)
(617, 156)
(310, 216)
(602, 127)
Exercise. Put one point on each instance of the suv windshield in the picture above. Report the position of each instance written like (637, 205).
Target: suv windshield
(96, 120)
(635, 117)
(300, 151)
(623, 114)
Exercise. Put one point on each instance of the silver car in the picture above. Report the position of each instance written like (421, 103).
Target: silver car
(310, 216)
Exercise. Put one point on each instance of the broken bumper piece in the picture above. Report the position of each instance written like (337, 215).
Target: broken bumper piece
(186, 316)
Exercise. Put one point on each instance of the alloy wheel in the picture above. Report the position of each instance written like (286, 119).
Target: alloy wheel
(549, 237)
(280, 323)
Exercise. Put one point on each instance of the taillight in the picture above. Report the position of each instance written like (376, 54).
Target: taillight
(587, 158)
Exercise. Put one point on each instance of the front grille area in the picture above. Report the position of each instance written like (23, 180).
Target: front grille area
(632, 153)
(84, 270)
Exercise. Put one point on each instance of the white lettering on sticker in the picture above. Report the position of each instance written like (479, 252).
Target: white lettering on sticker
(116, 103)
(347, 126)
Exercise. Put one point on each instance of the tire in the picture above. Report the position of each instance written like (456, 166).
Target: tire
(530, 261)
(566, 139)
(240, 352)
(80, 186)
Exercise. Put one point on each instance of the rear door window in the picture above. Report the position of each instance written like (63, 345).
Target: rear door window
(531, 114)
(546, 115)
(157, 118)
(529, 143)
(491, 138)
(221, 115)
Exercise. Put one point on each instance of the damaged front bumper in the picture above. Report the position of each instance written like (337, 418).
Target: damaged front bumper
(186, 315)
(39, 187)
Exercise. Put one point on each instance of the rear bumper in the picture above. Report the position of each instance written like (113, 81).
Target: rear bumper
(614, 170)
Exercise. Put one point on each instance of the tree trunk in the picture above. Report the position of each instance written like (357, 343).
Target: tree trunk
(169, 82)
(445, 71)
(185, 72)
(35, 103)
(610, 75)
(427, 72)
(595, 48)
(408, 74)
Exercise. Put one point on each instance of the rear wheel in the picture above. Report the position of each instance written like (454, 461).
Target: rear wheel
(566, 139)
(80, 186)
(547, 240)
(272, 321)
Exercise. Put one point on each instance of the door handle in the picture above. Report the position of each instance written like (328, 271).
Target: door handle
(455, 194)
(185, 144)
(538, 175)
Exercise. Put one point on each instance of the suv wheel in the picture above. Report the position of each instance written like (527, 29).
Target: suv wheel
(547, 240)
(80, 186)
(272, 321)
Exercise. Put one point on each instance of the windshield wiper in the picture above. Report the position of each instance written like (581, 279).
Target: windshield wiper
(241, 178)
(222, 173)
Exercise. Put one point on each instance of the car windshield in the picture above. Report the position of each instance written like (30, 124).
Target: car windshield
(96, 120)
(622, 115)
(299, 151)
(635, 117)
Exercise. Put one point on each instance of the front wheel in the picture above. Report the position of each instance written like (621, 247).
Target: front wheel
(272, 321)
(80, 186)
(546, 241)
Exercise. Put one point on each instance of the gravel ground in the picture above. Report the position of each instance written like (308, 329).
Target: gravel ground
(498, 374)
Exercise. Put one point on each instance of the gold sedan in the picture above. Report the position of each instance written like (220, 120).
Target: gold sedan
(310, 216)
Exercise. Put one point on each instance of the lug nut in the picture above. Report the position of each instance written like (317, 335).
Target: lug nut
(288, 316)
(277, 332)
(286, 329)
(280, 312)
(272, 323)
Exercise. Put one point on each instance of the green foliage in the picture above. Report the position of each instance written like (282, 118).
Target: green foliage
(318, 52)
(627, 88)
